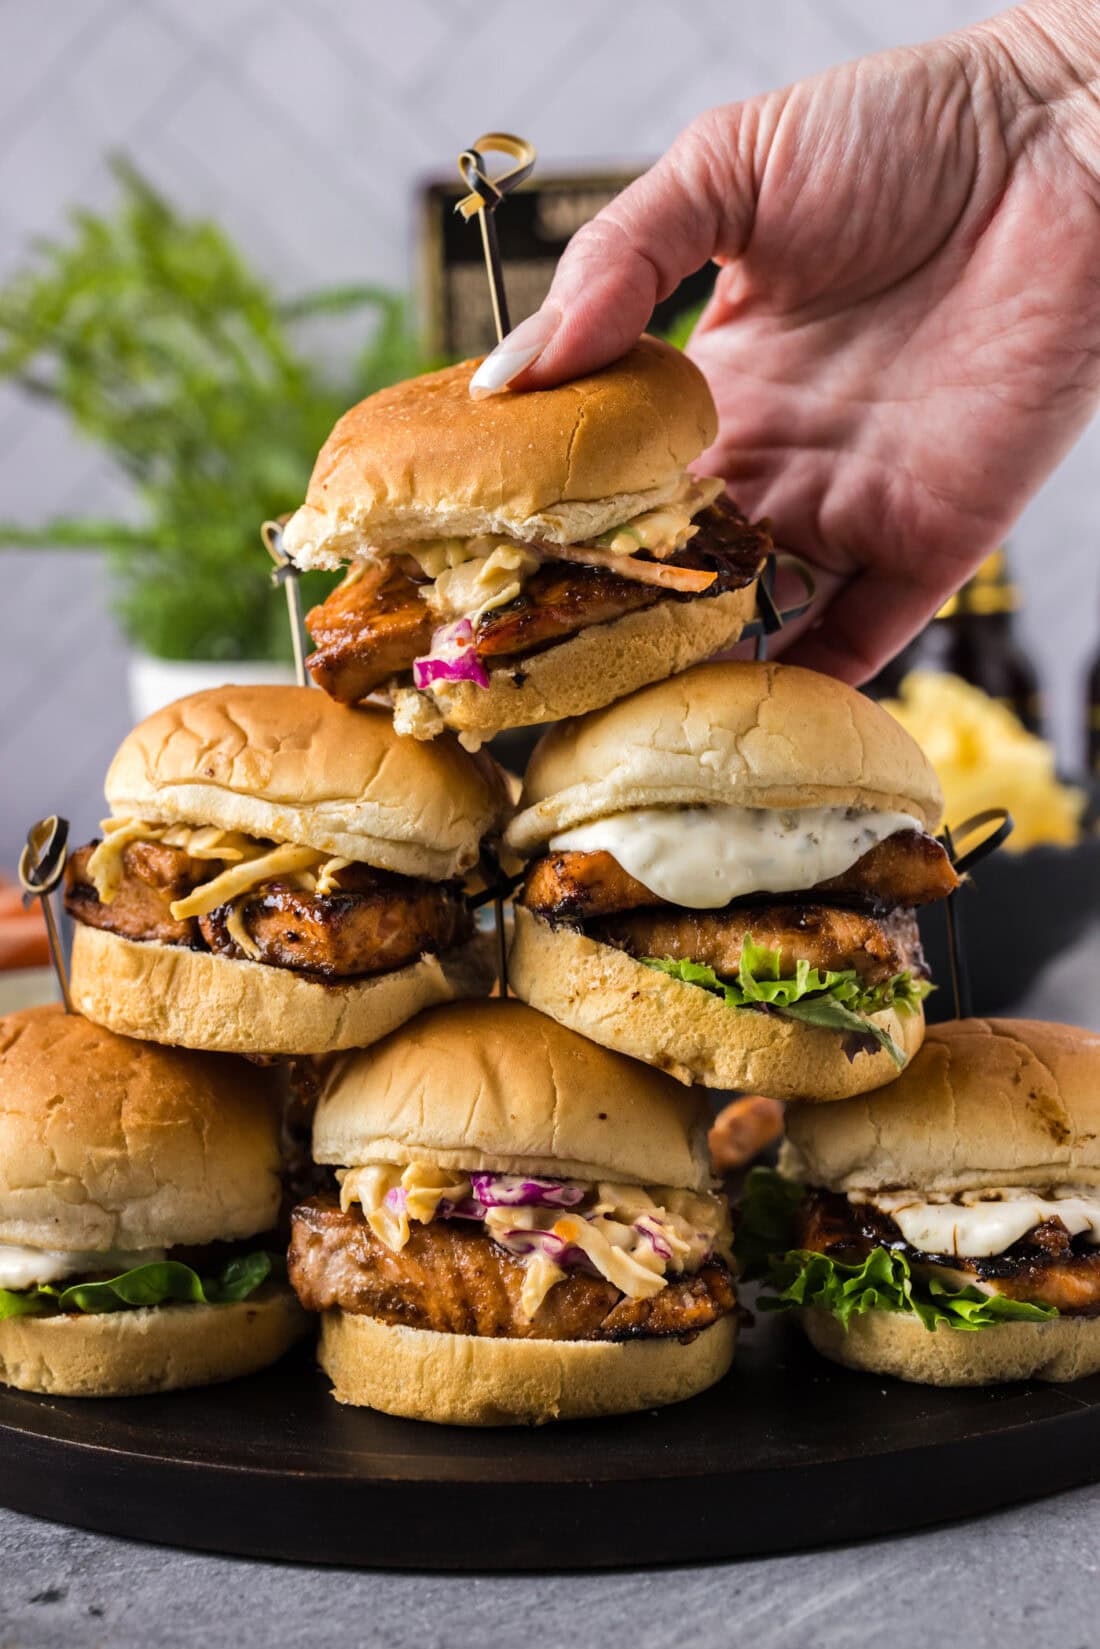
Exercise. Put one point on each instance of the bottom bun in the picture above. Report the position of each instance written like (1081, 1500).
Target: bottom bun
(162, 1348)
(686, 1030)
(888, 1342)
(461, 1380)
(602, 663)
(196, 999)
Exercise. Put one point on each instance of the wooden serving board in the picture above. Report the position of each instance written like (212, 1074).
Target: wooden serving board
(787, 1452)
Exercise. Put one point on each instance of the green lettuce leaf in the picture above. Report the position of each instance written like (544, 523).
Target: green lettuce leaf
(764, 1221)
(884, 1281)
(833, 1001)
(157, 1283)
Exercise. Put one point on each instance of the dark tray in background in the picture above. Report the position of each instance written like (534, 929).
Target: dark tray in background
(787, 1452)
(1020, 912)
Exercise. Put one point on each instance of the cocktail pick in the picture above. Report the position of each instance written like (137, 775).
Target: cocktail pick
(956, 949)
(287, 574)
(485, 196)
(41, 867)
(769, 618)
(496, 890)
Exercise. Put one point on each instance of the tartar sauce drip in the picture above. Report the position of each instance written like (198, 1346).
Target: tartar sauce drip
(977, 1224)
(22, 1267)
(703, 857)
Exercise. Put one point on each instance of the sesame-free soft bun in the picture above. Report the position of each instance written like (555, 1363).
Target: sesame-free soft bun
(422, 459)
(986, 1102)
(602, 992)
(290, 765)
(890, 1342)
(495, 1086)
(197, 999)
(159, 1348)
(743, 734)
(469, 1380)
(111, 1144)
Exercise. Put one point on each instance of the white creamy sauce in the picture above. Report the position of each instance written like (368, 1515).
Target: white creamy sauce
(978, 1224)
(703, 857)
(23, 1267)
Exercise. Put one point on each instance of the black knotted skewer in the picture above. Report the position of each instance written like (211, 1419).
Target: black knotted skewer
(497, 888)
(41, 867)
(485, 196)
(956, 949)
(287, 574)
(769, 618)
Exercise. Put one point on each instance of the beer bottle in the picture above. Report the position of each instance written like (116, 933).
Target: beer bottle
(973, 636)
(1092, 719)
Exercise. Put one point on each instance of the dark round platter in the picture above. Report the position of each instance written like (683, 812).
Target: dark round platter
(787, 1452)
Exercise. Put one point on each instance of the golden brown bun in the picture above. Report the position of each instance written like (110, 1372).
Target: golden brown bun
(197, 999)
(463, 1380)
(494, 1085)
(289, 764)
(601, 664)
(424, 460)
(685, 1030)
(986, 1102)
(163, 1348)
(886, 1342)
(751, 735)
(107, 1143)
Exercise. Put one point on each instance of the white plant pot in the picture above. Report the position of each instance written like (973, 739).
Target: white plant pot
(155, 682)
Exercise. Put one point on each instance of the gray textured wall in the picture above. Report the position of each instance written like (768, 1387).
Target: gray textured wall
(268, 113)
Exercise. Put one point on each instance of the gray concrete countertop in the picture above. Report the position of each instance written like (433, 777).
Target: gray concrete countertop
(1025, 1576)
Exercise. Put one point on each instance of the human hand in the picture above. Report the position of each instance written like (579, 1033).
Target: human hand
(904, 337)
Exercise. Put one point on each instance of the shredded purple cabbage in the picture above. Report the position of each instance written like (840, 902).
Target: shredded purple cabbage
(453, 657)
(513, 1191)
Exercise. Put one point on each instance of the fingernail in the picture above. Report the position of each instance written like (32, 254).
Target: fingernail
(515, 354)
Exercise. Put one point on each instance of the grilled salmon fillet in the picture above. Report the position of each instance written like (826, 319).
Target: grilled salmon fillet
(371, 627)
(387, 924)
(154, 876)
(454, 1279)
(375, 624)
(877, 947)
(1044, 1267)
(372, 923)
(908, 868)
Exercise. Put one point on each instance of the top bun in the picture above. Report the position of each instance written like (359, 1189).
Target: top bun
(290, 765)
(495, 1085)
(754, 735)
(424, 460)
(107, 1143)
(985, 1102)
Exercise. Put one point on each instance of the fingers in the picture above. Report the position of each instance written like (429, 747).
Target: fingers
(861, 628)
(693, 205)
(743, 1129)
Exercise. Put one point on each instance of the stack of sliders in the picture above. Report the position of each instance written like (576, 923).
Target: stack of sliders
(523, 1227)
(722, 881)
(280, 875)
(527, 557)
(945, 1229)
(139, 1195)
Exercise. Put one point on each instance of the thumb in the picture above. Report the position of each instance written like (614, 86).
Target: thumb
(693, 205)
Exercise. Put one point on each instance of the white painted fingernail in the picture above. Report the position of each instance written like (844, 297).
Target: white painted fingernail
(516, 353)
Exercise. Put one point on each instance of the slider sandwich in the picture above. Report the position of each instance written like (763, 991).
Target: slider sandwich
(526, 557)
(722, 881)
(525, 1227)
(139, 1191)
(945, 1229)
(280, 875)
